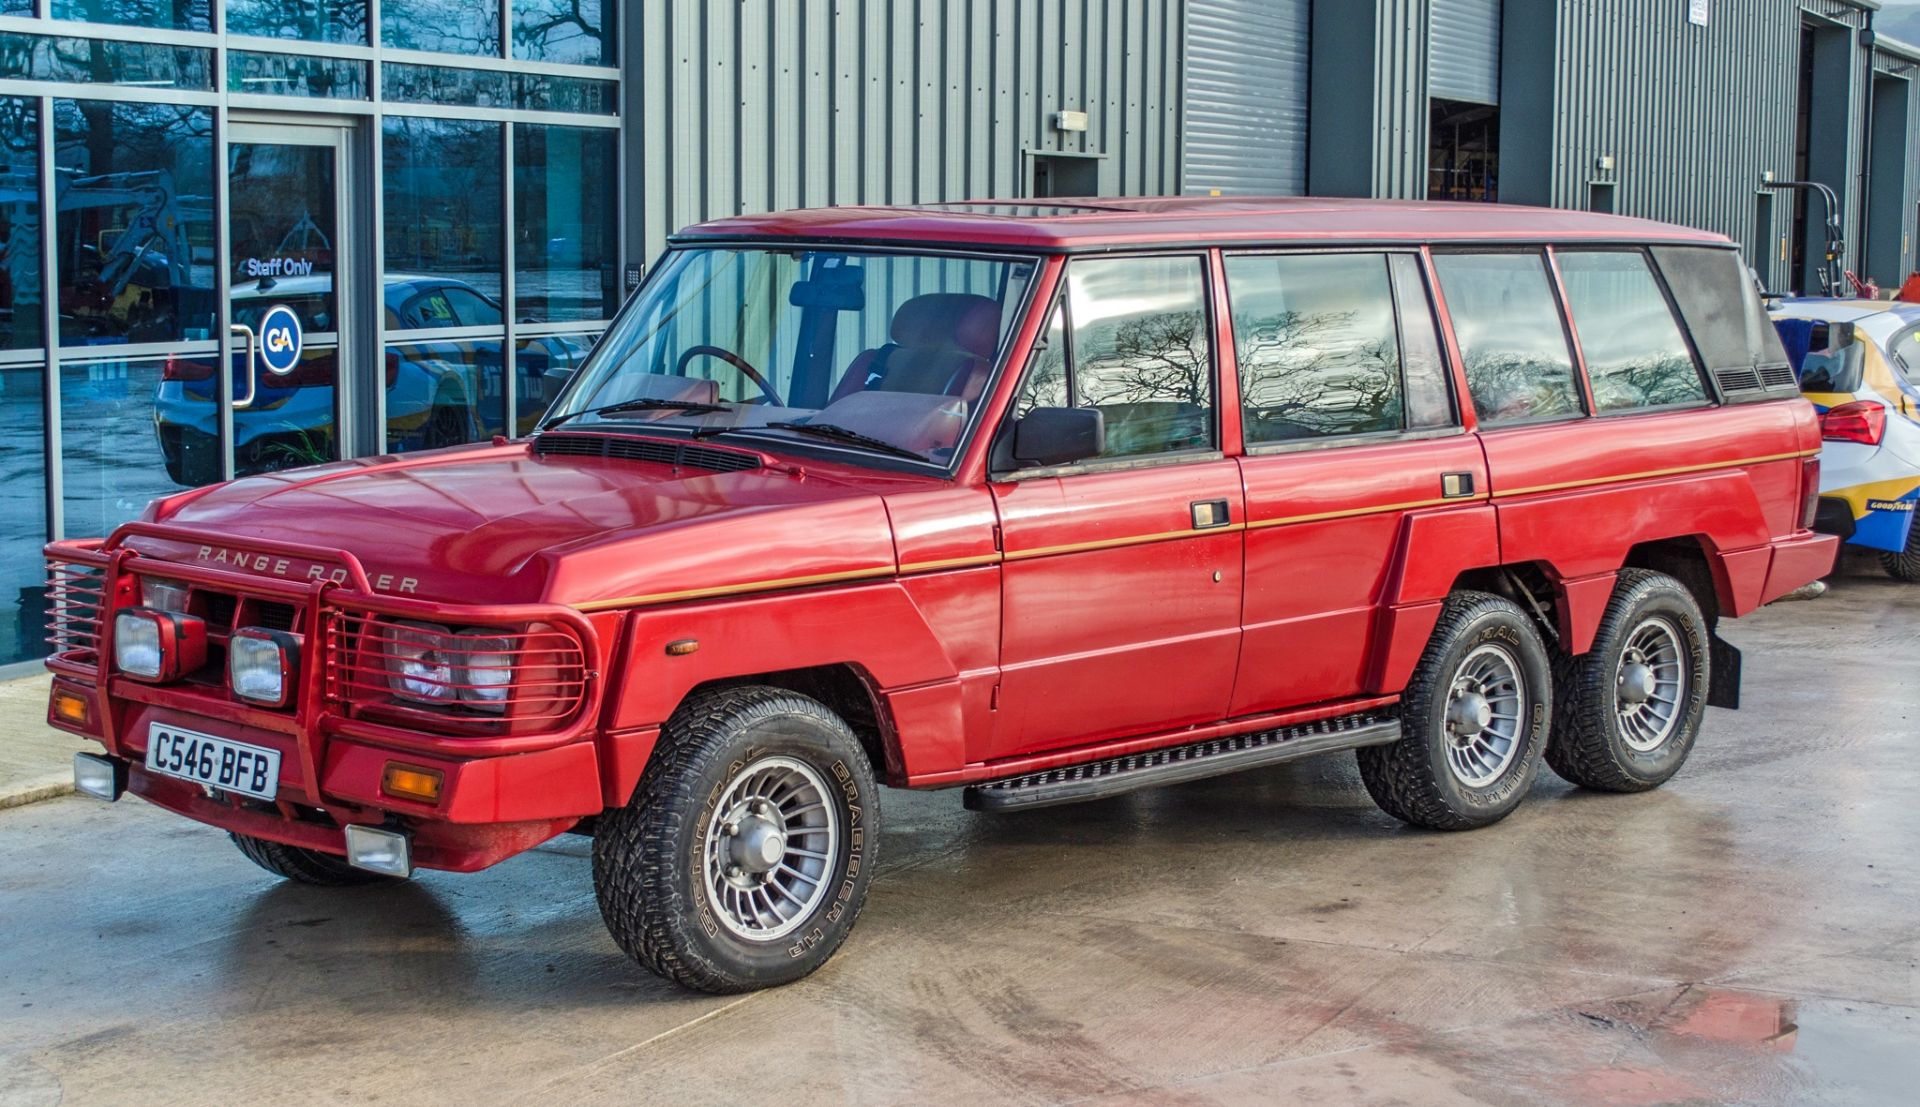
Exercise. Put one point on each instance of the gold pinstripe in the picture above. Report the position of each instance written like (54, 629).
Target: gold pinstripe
(914, 567)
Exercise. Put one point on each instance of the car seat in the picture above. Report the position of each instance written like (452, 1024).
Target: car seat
(942, 345)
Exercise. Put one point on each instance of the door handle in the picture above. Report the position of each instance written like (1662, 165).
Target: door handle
(1456, 486)
(1208, 514)
(253, 351)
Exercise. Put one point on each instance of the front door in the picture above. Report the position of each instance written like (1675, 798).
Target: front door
(289, 309)
(1121, 582)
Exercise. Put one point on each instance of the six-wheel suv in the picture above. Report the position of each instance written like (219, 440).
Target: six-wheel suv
(1050, 501)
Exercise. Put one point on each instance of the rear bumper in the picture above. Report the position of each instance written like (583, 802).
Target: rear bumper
(1835, 517)
(1799, 561)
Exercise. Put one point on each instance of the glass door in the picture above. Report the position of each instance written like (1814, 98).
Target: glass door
(289, 289)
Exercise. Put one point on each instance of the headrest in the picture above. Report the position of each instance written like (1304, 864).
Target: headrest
(941, 319)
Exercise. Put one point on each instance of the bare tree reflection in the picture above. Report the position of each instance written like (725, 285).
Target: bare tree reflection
(1306, 374)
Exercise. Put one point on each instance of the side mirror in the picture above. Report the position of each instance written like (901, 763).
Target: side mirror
(1059, 435)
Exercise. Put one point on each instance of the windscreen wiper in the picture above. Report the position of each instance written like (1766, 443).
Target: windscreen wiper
(850, 437)
(643, 404)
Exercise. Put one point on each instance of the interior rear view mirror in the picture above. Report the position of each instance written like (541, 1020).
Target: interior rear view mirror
(1059, 435)
(831, 288)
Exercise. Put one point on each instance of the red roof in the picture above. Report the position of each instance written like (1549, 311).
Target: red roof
(1068, 224)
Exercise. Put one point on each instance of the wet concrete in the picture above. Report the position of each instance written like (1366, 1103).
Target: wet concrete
(1746, 934)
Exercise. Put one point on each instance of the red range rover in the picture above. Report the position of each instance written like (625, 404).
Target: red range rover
(1050, 501)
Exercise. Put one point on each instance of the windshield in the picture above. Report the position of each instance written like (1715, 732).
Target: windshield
(877, 354)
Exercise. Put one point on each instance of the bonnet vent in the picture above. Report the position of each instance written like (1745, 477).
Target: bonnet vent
(680, 455)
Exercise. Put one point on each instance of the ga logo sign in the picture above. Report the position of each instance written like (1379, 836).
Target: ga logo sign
(280, 339)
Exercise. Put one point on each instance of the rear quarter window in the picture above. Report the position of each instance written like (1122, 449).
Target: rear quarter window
(1726, 319)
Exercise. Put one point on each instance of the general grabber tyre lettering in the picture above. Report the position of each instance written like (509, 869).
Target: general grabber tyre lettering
(744, 856)
(304, 866)
(1474, 718)
(1630, 707)
(1905, 565)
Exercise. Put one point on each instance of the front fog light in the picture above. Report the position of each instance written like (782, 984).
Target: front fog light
(262, 665)
(158, 646)
(100, 777)
(387, 852)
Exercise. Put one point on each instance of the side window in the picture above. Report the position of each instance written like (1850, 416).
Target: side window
(472, 309)
(1518, 366)
(1318, 349)
(1722, 309)
(1906, 356)
(1636, 355)
(1429, 389)
(1133, 343)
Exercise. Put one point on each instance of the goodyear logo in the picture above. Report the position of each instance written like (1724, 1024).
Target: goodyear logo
(1890, 505)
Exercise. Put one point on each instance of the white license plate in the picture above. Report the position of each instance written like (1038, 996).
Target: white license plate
(216, 762)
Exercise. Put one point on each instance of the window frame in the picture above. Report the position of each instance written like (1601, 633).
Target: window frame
(1544, 252)
(1367, 438)
(1000, 446)
(1709, 395)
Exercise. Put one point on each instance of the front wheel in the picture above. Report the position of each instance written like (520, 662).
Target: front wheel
(745, 854)
(1474, 719)
(302, 865)
(1630, 707)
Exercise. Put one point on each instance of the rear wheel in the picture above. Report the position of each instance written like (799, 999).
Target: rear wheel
(744, 856)
(1629, 709)
(1474, 719)
(1905, 565)
(304, 866)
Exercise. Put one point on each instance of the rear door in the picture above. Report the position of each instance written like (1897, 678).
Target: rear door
(1355, 463)
(1121, 578)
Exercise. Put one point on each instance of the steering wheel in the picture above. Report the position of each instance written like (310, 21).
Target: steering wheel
(733, 359)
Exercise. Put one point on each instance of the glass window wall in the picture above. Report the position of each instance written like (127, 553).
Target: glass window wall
(134, 238)
(488, 308)
(443, 26)
(179, 15)
(343, 21)
(578, 32)
(565, 193)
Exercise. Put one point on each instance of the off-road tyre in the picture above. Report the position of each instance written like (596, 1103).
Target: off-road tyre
(1411, 779)
(1905, 565)
(304, 866)
(649, 857)
(1589, 746)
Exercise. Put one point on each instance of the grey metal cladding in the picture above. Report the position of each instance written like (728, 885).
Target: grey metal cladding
(1464, 50)
(1247, 66)
(764, 105)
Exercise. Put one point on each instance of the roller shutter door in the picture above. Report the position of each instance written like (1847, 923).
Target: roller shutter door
(1246, 104)
(1463, 57)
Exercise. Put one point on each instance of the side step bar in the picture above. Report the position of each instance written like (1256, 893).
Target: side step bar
(1195, 761)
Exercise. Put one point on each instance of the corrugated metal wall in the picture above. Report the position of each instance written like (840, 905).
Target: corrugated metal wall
(1692, 116)
(1246, 96)
(1906, 67)
(1464, 55)
(756, 105)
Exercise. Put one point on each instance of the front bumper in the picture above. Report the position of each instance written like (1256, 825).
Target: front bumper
(489, 809)
(502, 789)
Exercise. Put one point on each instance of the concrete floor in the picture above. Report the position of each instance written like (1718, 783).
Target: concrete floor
(1746, 934)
